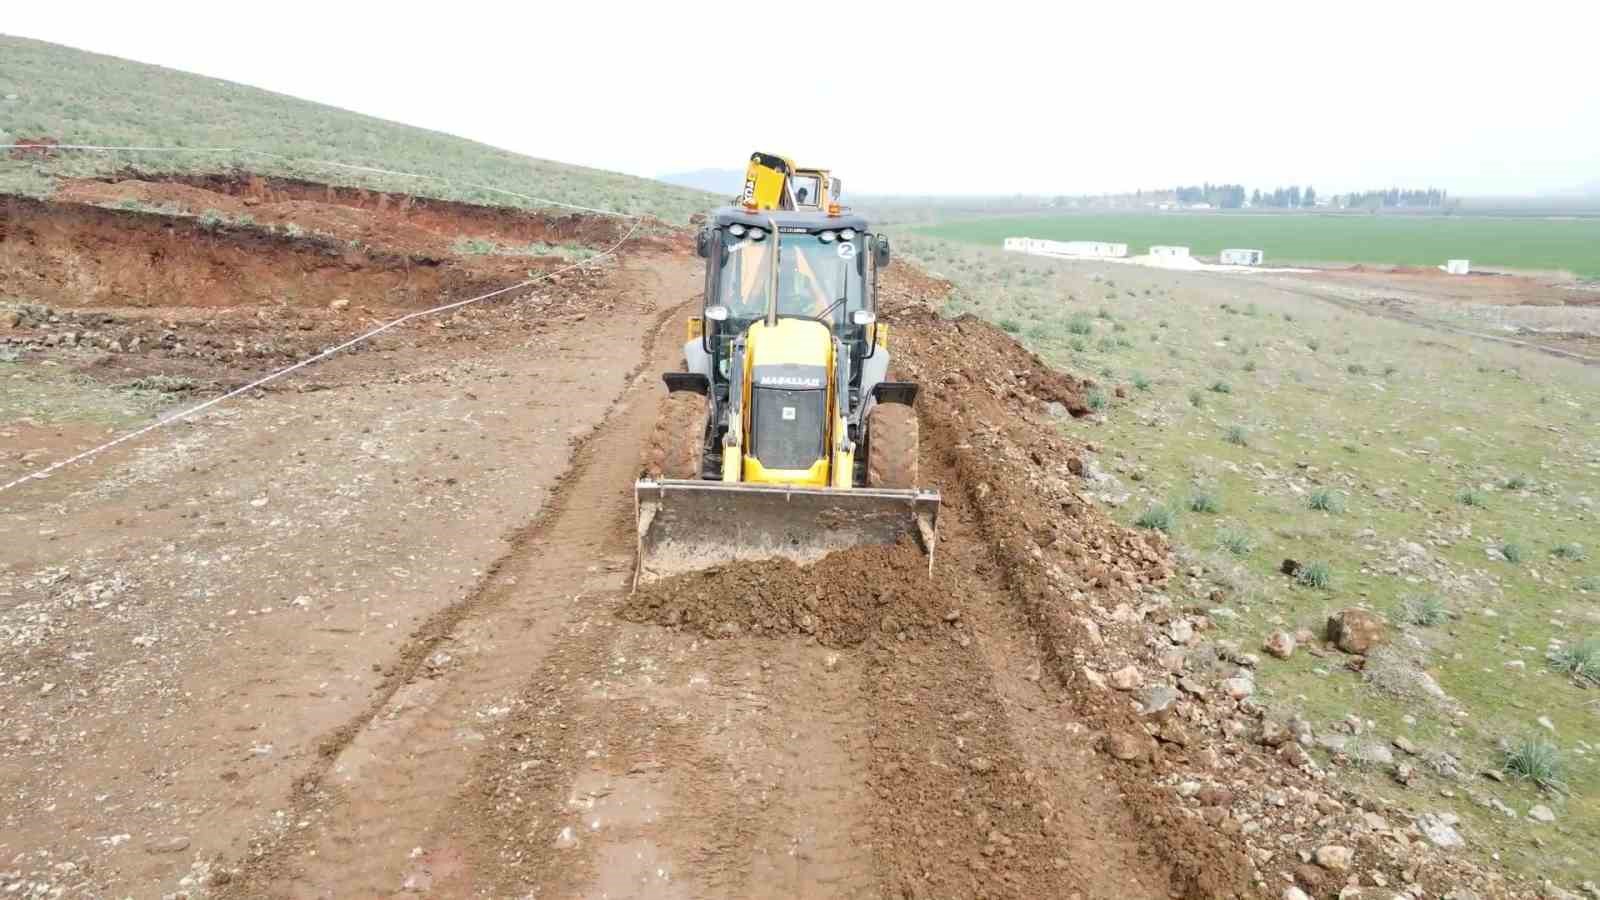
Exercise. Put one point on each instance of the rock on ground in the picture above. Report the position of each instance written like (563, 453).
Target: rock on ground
(1357, 630)
(1280, 644)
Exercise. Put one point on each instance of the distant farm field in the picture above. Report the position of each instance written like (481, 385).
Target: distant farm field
(1572, 245)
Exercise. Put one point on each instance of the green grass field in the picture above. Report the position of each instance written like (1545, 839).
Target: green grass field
(85, 98)
(1571, 245)
(1446, 483)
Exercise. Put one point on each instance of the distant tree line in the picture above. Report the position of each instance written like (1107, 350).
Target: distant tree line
(1292, 197)
(1223, 196)
(1431, 197)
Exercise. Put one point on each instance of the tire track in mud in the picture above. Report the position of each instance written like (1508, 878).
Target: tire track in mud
(382, 777)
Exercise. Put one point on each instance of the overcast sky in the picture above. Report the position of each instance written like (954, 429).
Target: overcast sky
(978, 98)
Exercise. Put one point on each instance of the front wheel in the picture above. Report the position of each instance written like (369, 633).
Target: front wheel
(892, 446)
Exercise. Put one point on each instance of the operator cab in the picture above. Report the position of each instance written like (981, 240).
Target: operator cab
(827, 272)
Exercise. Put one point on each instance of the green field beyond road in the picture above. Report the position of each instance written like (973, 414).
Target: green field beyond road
(1572, 245)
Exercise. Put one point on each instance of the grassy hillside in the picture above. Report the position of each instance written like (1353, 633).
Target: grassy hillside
(1572, 245)
(1444, 483)
(78, 97)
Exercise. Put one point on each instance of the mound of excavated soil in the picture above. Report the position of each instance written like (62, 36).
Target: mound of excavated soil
(842, 601)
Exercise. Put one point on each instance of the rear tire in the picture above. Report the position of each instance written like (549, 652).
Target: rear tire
(892, 446)
(677, 447)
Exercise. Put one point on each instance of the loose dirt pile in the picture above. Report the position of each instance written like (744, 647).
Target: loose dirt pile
(841, 601)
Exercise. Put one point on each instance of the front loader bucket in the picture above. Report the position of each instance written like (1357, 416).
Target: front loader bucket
(685, 526)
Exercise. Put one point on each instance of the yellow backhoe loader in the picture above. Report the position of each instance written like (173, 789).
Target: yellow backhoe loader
(782, 436)
(775, 182)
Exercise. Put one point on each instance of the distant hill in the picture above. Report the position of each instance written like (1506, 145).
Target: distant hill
(722, 182)
(1588, 189)
(51, 91)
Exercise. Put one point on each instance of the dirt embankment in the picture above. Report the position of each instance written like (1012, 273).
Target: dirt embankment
(398, 222)
(119, 293)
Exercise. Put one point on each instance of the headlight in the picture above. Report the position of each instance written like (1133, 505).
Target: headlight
(826, 237)
(848, 234)
(736, 230)
(757, 234)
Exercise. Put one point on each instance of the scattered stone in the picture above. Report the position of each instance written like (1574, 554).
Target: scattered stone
(1405, 746)
(1546, 724)
(1180, 631)
(1440, 832)
(1375, 754)
(1173, 732)
(341, 303)
(1304, 637)
(1333, 743)
(566, 839)
(1301, 726)
(980, 764)
(1126, 678)
(1334, 858)
(1405, 773)
(1542, 813)
(1356, 630)
(1157, 699)
(1189, 789)
(1239, 687)
(1279, 644)
(175, 844)
(1127, 747)
(1295, 755)
(1273, 733)
(1516, 665)
(1289, 567)
(1293, 893)
(1172, 660)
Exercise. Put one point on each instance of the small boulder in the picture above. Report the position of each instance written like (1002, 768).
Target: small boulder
(1157, 699)
(1127, 747)
(1239, 687)
(1126, 678)
(1335, 858)
(1273, 733)
(1279, 644)
(1440, 832)
(1356, 630)
(1542, 813)
(1180, 631)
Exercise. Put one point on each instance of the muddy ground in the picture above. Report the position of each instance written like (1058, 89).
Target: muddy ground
(376, 637)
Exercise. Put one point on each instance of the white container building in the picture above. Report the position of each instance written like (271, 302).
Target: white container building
(1240, 257)
(1090, 249)
(1458, 266)
(1163, 250)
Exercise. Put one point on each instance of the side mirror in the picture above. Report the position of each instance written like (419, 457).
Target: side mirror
(863, 317)
(702, 243)
(881, 251)
(717, 313)
(838, 189)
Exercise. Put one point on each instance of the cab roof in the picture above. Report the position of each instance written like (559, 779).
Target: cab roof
(788, 218)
